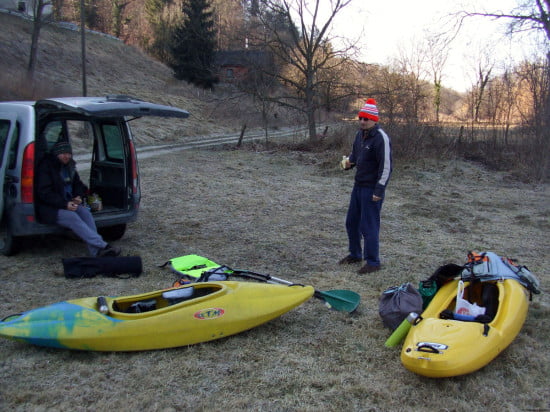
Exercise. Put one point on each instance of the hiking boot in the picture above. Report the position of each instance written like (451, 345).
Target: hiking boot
(109, 250)
(368, 269)
(348, 260)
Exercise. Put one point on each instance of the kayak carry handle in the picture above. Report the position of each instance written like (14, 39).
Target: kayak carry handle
(427, 348)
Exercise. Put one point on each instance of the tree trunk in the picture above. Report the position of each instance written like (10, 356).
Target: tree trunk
(310, 106)
(37, 25)
(312, 127)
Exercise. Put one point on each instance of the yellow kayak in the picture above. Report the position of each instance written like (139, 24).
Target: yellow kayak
(161, 319)
(437, 347)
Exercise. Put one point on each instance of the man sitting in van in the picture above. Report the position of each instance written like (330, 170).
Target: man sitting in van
(60, 192)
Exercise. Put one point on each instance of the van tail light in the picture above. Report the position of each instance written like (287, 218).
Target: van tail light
(133, 159)
(27, 175)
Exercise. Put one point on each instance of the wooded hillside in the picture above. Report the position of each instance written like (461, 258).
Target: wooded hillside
(112, 68)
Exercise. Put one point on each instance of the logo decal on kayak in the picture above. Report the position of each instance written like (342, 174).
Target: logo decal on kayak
(210, 313)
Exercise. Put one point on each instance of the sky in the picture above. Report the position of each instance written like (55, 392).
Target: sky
(387, 29)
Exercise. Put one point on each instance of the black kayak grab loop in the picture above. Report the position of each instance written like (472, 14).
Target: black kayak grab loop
(425, 347)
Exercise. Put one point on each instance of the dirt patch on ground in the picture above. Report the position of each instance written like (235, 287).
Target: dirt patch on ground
(283, 214)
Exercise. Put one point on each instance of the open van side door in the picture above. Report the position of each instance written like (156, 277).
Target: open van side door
(7, 128)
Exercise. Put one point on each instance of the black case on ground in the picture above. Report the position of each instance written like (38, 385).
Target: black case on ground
(88, 267)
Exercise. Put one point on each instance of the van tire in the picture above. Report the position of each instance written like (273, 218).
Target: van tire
(8, 243)
(112, 232)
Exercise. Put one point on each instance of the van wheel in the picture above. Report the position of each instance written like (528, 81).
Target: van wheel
(112, 232)
(8, 242)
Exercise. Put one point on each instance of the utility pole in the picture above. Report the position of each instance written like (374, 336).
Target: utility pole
(83, 44)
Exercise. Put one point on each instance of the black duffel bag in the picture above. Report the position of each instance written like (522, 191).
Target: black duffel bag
(88, 267)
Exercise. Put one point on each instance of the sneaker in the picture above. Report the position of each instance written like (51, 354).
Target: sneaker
(348, 260)
(368, 269)
(109, 250)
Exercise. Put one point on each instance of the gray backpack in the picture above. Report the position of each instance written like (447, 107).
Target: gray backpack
(397, 302)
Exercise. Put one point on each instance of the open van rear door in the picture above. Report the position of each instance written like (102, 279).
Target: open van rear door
(108, 106)
(7, 127)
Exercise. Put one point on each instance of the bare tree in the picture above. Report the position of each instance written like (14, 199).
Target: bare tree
(533, 15)
(412, 66)
(299, 35)
(478, 92)
(389, 84)
(504, 101)
(230, 19)
(529, 15)
(260, 87)
(437, 55)
(38, 17)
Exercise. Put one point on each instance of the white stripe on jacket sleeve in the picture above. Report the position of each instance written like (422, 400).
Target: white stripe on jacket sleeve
(387, 160)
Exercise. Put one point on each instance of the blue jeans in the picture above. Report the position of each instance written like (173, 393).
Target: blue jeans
(82, 223)
(363, 223)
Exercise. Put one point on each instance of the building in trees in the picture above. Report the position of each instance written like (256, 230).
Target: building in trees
(240, 65)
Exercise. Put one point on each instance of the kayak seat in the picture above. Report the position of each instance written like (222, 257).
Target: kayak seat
(489, 300)
(142, 306)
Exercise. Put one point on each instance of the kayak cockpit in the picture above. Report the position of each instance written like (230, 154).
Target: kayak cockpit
(485, 295)
(160, 301)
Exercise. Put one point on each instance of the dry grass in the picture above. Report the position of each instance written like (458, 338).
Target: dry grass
(283, 213)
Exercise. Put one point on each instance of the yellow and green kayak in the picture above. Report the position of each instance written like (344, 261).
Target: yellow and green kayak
(161, 319)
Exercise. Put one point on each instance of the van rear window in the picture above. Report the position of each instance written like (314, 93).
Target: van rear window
(114, 148)
(52, 133)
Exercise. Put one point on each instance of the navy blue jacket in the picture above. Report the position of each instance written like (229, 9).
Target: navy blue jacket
(371, 154)
(50, 189)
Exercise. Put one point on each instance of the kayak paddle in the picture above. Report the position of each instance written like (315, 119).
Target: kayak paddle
(202, 269)
(341, 299)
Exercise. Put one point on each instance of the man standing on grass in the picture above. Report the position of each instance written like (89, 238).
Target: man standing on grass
(371, 155)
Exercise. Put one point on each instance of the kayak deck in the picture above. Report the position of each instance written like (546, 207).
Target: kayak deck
(439, 347)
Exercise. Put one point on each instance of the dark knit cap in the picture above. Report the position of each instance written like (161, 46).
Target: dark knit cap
(61, 147)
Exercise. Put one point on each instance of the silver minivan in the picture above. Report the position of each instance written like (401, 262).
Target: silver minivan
(99, 132)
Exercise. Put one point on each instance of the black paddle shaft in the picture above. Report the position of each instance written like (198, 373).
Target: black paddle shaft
(342, 300)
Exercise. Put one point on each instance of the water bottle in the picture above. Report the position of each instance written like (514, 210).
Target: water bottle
(399, 334)
(102, 305)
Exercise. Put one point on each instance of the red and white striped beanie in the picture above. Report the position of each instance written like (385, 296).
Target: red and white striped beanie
(369, 110)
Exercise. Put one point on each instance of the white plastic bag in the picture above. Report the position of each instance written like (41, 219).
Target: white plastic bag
(463, 307)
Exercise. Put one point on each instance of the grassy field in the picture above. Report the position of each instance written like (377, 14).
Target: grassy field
(283, 213)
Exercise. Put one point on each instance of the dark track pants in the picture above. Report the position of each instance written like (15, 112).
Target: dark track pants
(363, 223)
